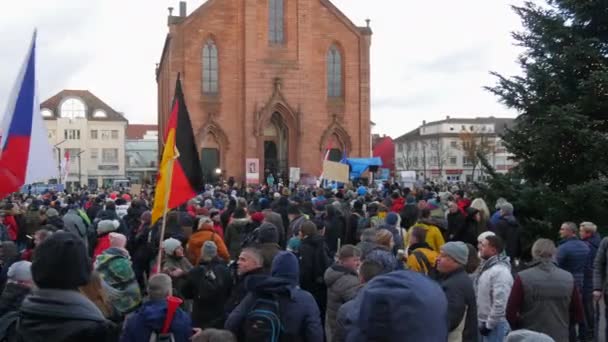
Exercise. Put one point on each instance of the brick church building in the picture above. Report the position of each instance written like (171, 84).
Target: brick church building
(276, 80)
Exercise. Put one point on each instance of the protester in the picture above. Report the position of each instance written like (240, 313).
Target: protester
(205, 233)
(368, 242)
(298, 314)
(8, 256)
(18, 286)
(150, 317)
(56, 311)
(458, 288)
(590, 236)
(508, 229)
(249, 263)
(342, 283)
(175, 263)
(314, 260)
(544, 298)
(434, 237)
(275, 219)
(267, 242)
(455, 218)
(492, 287)
(421, 258)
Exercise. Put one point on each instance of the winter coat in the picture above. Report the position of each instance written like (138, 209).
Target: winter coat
(314, 260)
(335, 228)
(104, 228)
(32, 221)
(294, 226)
(509, 230)
(600, 267)
(196, 241)
(342, 286)
(238, 291)
(150, 317)
(63, 315)
(572, 255)
(275, 218)
(299, 314)
(409, 215)
(170, 263)
(471, 228)
(235, 234)
(455, 225)
(12, 297)
(269, 251)
(593, 243)
(119, 281)
(424, 249)
(74, 224)
(208, 308)
(398, 205)
(434, 237)
(54, 221)
(398, 304)
(492, 287)
(459, 291)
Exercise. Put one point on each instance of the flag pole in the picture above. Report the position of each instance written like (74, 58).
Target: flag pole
(166, 205)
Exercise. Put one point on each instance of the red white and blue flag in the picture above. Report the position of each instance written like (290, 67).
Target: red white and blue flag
(26, 155)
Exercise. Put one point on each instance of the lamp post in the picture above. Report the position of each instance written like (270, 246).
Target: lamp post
(218, 174)
(79, 170)
(56, 146)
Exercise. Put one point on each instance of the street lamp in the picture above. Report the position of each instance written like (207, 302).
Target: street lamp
(218, 175)
(59, 159)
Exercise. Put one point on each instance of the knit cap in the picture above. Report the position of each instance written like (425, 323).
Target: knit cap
(170, 245)
(208, 251)
(20, 271)
(456, 250)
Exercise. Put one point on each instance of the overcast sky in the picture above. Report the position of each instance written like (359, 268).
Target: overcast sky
(430, 58)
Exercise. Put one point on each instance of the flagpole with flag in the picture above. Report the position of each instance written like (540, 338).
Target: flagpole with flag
(180, 175)
(26, 156)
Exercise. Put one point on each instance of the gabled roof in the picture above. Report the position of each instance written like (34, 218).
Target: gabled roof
(91, 101)
(137, 132)
(500, 126)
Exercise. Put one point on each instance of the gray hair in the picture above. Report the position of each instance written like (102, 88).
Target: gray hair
(589, 227)
(543, 249)
(500, 202)
(216, 335)
(507, 208)
(255, 253)
(160, 286)
(570, 226)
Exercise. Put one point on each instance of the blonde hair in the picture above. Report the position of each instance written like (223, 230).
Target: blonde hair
(96, 294)
(384, 237)
(589, 227)
(481, 205)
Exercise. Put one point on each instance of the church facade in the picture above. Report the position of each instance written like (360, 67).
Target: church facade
(277, 81)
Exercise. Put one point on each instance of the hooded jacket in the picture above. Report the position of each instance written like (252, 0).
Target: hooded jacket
(398, 304)
(196, 241)
(73, 223)
(150, 317)
(118, 279)
(63, 315)
(342, 286)
(299, 313)
(493, 286)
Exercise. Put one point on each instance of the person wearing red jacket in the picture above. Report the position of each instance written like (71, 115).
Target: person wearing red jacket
(398, 203)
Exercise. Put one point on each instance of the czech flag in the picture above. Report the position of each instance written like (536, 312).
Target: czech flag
(26, 155)
(180, 177)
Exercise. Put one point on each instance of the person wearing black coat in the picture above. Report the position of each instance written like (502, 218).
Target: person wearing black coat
(209, 299)
(335, 228)
(455, 222)
(314, 261)
(471, 227)
(56, 310)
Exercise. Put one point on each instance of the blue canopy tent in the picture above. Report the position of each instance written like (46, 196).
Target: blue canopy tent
(359, 165)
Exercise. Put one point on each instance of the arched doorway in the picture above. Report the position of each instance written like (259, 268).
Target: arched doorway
(276, 148)
(210, 159)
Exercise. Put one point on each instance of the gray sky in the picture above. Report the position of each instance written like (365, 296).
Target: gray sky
(430, 58)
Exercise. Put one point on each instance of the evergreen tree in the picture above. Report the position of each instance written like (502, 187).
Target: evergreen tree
(561, 135)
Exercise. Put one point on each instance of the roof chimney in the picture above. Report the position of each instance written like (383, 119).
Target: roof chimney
(170, 11)
(182, 8)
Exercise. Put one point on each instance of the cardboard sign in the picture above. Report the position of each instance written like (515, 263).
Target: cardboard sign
(294, 174)
(252, 170)
(334, 171)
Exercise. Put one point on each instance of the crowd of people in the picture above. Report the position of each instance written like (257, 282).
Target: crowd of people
(300, 264)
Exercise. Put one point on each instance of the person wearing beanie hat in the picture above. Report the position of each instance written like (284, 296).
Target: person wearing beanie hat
(208, 285)
(56, 311)
(104, 228)
(205, 232)
(18, 286)
(174, 262)
(52, 218)
(267, 238)
(274, 218)
(119, 282)
(299, 313)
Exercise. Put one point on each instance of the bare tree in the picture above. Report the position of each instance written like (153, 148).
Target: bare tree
(476, 145)
(406, 157)
(440, 152)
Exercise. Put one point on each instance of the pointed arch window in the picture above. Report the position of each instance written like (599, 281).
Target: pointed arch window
(334, 72)
(275, 21)
(210, 68)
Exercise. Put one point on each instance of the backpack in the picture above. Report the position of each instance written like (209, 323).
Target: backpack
(159, 337)
(431, 270)
(211, 284)
(263, 322)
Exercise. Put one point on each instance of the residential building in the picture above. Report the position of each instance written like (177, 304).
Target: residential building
(92, 133)
(141, 151)
(444, 150)
(279, 81)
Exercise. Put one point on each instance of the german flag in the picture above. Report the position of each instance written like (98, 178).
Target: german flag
(180, 177)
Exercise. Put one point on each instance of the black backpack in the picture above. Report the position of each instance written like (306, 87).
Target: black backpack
(263, 322)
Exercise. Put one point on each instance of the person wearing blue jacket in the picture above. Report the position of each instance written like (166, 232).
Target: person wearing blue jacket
(150, 317)
(299, 313)
(397, 305)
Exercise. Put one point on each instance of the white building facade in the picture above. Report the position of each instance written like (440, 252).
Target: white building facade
(141, 150)
(441, 150)
(93, 135)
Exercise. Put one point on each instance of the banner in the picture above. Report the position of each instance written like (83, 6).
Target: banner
(252, 170)
(334, 171)
(294, 174)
